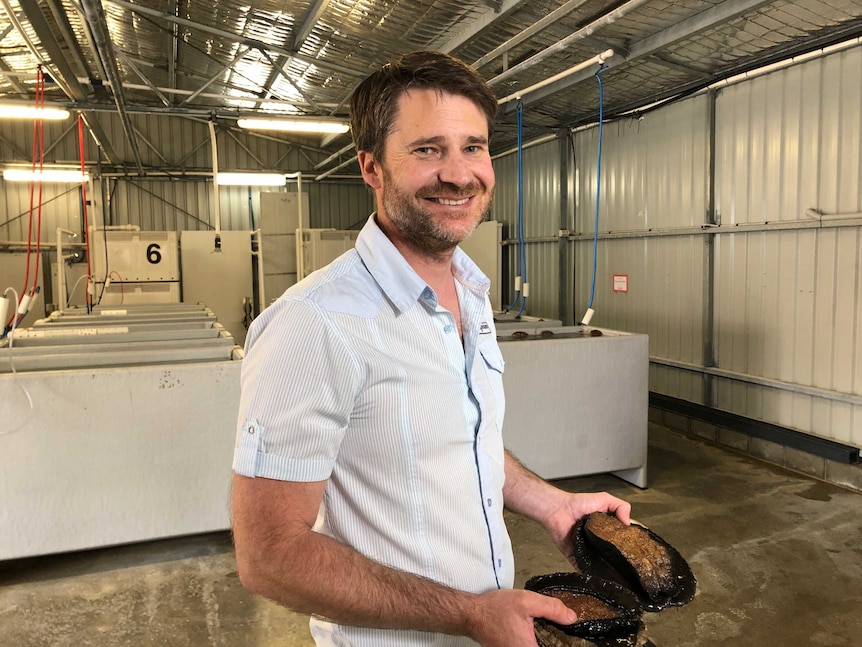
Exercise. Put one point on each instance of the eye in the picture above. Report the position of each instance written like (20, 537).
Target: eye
(424, 150)
(475, 148)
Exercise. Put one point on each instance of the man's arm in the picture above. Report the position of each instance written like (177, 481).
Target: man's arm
(526, 493)
(280, 557)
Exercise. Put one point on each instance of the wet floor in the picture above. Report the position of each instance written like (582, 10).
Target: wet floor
(778, 557)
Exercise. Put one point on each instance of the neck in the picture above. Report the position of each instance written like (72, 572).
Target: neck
(434, 269)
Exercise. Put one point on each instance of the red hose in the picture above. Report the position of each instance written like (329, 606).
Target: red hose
(40, 101)
(30, 216)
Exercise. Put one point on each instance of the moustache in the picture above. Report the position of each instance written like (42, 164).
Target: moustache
(450, 191)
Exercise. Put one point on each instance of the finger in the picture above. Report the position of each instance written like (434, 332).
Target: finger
(623, 511)
(556, 611)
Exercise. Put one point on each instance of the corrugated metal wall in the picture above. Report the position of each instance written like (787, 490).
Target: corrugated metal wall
(759, 314)
(762, 314)
(653, 181)
(541, 220)
(158, 203)
(789, 301)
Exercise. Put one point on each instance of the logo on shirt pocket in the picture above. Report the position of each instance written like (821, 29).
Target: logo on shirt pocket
(484, 328)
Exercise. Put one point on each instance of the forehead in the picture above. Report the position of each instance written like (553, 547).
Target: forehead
(430, 113)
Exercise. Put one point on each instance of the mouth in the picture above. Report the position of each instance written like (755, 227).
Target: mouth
(450, 202)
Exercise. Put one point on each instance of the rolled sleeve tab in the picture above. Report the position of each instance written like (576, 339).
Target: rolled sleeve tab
(247, 455)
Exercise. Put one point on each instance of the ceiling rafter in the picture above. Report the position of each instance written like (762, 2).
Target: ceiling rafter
(128, 61)
(65, 76)
(20, 89)
(530, 31)
(167, 45)
(251, 42)
(295, 41)
(293, 84)
(652, 44)
(236, 59)
(314, 13)
(95, 17)
(174, 51)
(61, 21)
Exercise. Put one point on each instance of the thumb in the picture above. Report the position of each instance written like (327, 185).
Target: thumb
(558, 612)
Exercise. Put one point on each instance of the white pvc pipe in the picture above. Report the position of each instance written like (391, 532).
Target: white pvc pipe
(61, 271)
(597, 59)
(216, 209)
(300, 260)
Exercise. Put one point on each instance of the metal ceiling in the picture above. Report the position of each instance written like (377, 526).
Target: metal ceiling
(222, 58)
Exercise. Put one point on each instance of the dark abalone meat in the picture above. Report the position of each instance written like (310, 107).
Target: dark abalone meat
(605, 610)
(634, 557)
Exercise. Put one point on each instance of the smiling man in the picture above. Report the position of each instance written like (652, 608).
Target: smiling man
(370, 474)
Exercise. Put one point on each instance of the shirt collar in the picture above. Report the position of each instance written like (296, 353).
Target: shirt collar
(400, 282)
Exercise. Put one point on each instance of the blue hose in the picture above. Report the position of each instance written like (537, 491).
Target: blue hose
(598, 184)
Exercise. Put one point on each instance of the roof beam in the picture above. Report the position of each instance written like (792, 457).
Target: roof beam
(300, 33)
(664, 61)
(488, 17)
(308, 21)
(20, 89)
(587, 30)
(62, 22)
(65, 75)
(236, 59)
(251, 42)
(536, 27)
(680, 31)
(141, 76)
(94, 14)
(282, 72)
(173, 54)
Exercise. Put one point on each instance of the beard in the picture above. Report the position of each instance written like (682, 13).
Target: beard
(432, 236)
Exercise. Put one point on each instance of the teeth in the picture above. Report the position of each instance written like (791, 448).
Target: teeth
(452, 203)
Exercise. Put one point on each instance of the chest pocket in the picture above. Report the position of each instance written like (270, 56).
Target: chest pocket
(488, 377)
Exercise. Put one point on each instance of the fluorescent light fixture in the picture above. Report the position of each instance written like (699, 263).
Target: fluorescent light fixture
(73, 176)
(17, 111)
(295, 124)
(251, 179)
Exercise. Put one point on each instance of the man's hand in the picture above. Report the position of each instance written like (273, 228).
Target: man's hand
(572, 507)
(504, 618)
(557, 510)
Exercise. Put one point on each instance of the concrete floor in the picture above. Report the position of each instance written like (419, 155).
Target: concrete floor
(778, 557)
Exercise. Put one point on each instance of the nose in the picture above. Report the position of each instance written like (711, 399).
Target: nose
(455, 169)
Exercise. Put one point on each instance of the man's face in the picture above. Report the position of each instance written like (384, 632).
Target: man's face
(436, 178)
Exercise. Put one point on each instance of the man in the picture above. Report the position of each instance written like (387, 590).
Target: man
(370, 471)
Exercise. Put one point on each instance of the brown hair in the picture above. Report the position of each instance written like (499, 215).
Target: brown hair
(374, 103)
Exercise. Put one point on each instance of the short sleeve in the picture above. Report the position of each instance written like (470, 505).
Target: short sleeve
(298, 388)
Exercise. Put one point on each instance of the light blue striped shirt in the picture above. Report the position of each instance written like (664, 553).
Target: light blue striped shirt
(356, 375)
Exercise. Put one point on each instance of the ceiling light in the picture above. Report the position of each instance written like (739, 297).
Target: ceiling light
(251, 179)
(45, 175)
(295, 125)
(18, 111)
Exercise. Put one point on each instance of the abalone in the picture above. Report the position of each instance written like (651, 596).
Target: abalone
(634, 557)
(605, 610)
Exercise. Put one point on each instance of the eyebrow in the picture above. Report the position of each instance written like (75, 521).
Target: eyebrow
(440, 140)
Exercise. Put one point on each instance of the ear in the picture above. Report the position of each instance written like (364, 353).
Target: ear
(372, 172)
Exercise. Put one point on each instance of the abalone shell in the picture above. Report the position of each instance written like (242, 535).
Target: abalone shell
(634, 557)
(605, 610)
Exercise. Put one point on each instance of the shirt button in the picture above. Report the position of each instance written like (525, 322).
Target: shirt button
(489, 503)
(448, 328)
(500, 563)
